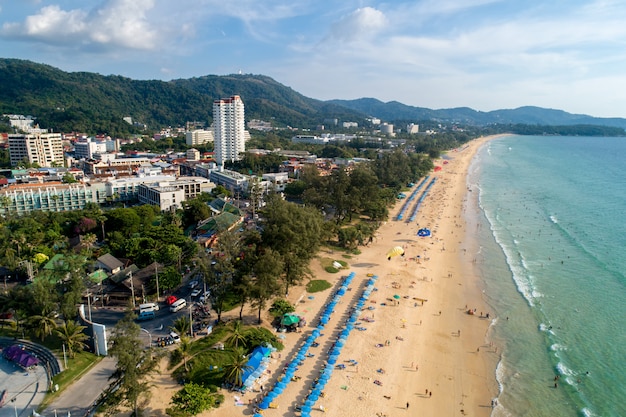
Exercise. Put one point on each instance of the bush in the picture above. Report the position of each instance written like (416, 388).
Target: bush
(281, 307)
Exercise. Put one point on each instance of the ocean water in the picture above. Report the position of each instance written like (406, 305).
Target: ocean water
(551, 245)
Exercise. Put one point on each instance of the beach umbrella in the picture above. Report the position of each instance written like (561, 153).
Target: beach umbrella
(397, 297)
(264, 404)
(289, 319)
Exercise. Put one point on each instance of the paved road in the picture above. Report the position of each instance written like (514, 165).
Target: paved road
(78, 398)
(25, 389)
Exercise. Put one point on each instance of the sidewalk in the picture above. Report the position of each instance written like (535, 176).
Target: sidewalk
(78, 398)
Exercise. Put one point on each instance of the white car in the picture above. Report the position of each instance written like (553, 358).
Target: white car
(196, 292)
(175, 337)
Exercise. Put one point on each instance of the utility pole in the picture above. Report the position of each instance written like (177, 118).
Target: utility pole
(132, 289)
(89, 304)
(156, 270)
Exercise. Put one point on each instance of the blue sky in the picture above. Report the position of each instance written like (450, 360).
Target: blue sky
(483, 54)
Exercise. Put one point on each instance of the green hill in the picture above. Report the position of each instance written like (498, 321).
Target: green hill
(93, 103)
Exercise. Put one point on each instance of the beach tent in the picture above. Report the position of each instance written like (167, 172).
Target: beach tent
(256, 361)
(423, 232)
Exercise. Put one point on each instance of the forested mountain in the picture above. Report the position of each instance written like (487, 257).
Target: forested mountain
(530, 115)
(93, 103)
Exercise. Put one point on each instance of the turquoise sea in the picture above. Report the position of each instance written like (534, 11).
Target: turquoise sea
(550, 229)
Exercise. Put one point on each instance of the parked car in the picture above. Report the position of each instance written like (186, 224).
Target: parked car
(171, 299)
(175, 337)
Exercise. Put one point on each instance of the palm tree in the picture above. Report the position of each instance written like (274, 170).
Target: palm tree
(237, 336)
(71, 333)
(184, 348)
(43, 324)
(182, 326)
(235, 369)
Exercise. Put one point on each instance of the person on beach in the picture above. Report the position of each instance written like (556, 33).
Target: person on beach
(407, 405)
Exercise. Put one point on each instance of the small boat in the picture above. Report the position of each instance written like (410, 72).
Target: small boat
(3, 398)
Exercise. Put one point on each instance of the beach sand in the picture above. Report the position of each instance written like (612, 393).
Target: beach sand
(432, 346)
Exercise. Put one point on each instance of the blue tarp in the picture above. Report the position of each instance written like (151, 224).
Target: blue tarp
(255, 360)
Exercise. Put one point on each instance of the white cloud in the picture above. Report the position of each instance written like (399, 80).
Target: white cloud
(362, 23)
(117, 23)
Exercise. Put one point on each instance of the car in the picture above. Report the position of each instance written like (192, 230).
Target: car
(171, 299)
(175, 337)
(196, 292)
(205, 297)
(146, 315)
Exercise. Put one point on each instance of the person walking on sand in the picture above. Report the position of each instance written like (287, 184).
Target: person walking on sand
(407, 405)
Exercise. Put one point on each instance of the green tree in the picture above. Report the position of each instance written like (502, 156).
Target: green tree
(281, 307)
(42, 324)
(134, 365)
(237, 336)
(72, 335)
(192, 400)
(295, 233)
(266, 284)
(235, 368)
(169, 278)
(220, 272)
(184, 348)
(182, 326)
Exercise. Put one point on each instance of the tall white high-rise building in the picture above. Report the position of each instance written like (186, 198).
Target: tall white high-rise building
(229, 129)
(44, 149)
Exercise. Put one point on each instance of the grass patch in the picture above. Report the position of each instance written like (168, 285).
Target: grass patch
(327, 264)
(318, 285)
(76, 367)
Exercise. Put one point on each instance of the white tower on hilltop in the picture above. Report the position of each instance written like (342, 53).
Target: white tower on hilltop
(229, 129)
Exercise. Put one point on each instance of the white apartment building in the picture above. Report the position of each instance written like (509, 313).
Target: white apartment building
(412, 128)
(229, 129)
(127, 189)
(167, 197)
(44, 149)
(88, 148)
(168, 192)
(199, 137)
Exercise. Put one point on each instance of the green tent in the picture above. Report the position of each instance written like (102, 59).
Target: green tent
(290, 319)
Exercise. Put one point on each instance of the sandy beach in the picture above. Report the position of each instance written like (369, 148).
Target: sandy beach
(428, 356)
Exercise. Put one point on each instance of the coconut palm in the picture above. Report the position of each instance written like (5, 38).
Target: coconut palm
(237, 337)
(71, 333)
(184, 348)
(182, 326)
(43, 324)
(235, 369)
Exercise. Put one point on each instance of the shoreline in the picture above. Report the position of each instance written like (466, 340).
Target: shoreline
(429, 346)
